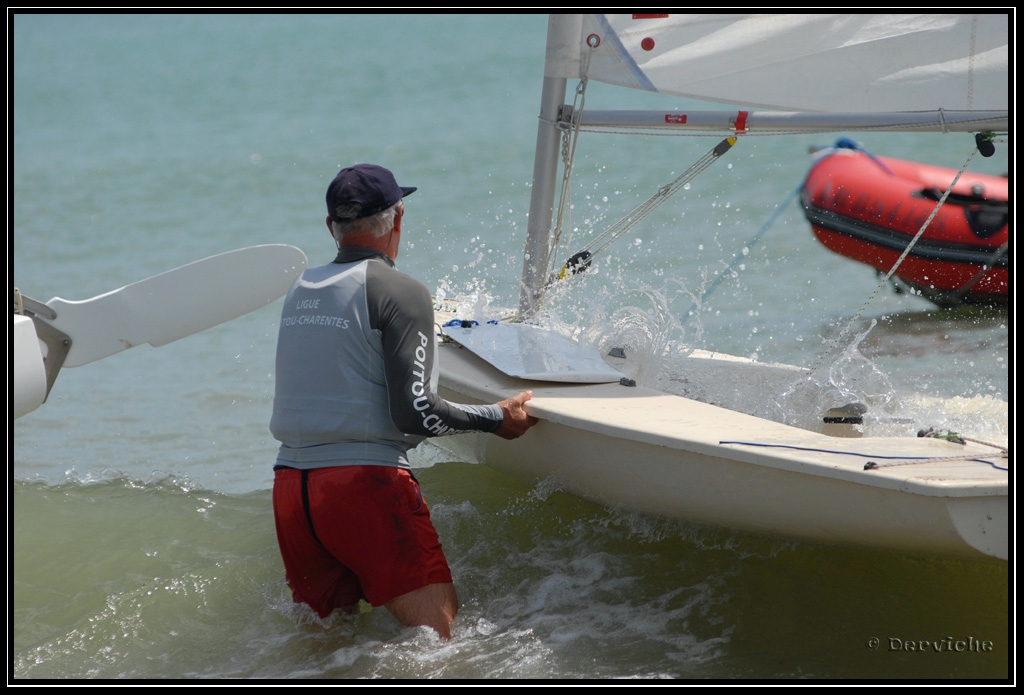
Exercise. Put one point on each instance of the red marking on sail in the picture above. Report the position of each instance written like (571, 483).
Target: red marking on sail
(650, 16)
(647, 44)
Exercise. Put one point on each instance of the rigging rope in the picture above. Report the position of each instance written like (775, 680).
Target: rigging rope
(582, 259)
(743, 253)
(885, 279)
(569, 141)
(996, 257)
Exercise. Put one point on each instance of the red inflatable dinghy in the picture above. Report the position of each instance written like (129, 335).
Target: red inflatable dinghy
(870, 208)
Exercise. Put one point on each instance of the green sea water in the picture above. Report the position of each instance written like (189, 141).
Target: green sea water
(141, 538)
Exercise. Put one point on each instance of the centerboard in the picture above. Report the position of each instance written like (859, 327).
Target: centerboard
(528, 352)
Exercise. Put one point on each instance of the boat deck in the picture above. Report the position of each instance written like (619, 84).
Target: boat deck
(652, 417)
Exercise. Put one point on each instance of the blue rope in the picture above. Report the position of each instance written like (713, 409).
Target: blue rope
(841, 143)
(849, 144)
(467, 323)
(739, 256)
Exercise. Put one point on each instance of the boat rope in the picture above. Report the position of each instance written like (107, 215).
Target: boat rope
(745, 249)
(959, 439)
(582, 259)
(888, 276)
(570, 139)
(996, 257)
(873, 464)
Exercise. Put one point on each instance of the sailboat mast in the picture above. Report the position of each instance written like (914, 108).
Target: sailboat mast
(562, 30)
(545, 171)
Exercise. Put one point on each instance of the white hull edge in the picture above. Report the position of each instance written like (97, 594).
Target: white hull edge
(652, 452)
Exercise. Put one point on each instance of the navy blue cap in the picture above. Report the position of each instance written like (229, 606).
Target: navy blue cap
(362, 190)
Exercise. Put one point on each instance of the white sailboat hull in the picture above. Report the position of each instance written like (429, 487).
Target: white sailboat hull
(713, 464)
(657, 453)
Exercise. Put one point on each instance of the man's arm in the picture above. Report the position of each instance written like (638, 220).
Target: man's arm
(401, 308)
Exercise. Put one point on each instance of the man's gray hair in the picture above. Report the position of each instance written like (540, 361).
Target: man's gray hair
(376, 225)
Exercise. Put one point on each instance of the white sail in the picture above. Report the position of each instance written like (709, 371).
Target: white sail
(813, 73)
(824, 63)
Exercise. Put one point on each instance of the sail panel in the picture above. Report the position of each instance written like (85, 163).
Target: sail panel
(824, 63)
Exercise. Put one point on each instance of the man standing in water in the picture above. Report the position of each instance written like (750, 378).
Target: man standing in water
(355, 390)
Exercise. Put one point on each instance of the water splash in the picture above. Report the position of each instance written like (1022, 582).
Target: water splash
(666, 353)
(851, 380)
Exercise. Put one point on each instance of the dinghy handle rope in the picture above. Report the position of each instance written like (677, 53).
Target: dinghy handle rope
(996, 257)
(958, 439)
(872, 465)
(938, 205)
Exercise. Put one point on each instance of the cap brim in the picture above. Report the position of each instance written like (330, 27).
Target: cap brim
(407, 191)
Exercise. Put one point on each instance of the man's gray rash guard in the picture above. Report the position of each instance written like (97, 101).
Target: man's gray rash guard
(355, 380)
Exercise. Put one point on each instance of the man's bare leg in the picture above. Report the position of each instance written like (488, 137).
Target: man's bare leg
(433, 605)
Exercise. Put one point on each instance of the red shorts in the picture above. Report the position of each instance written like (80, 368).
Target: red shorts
(373, 536)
